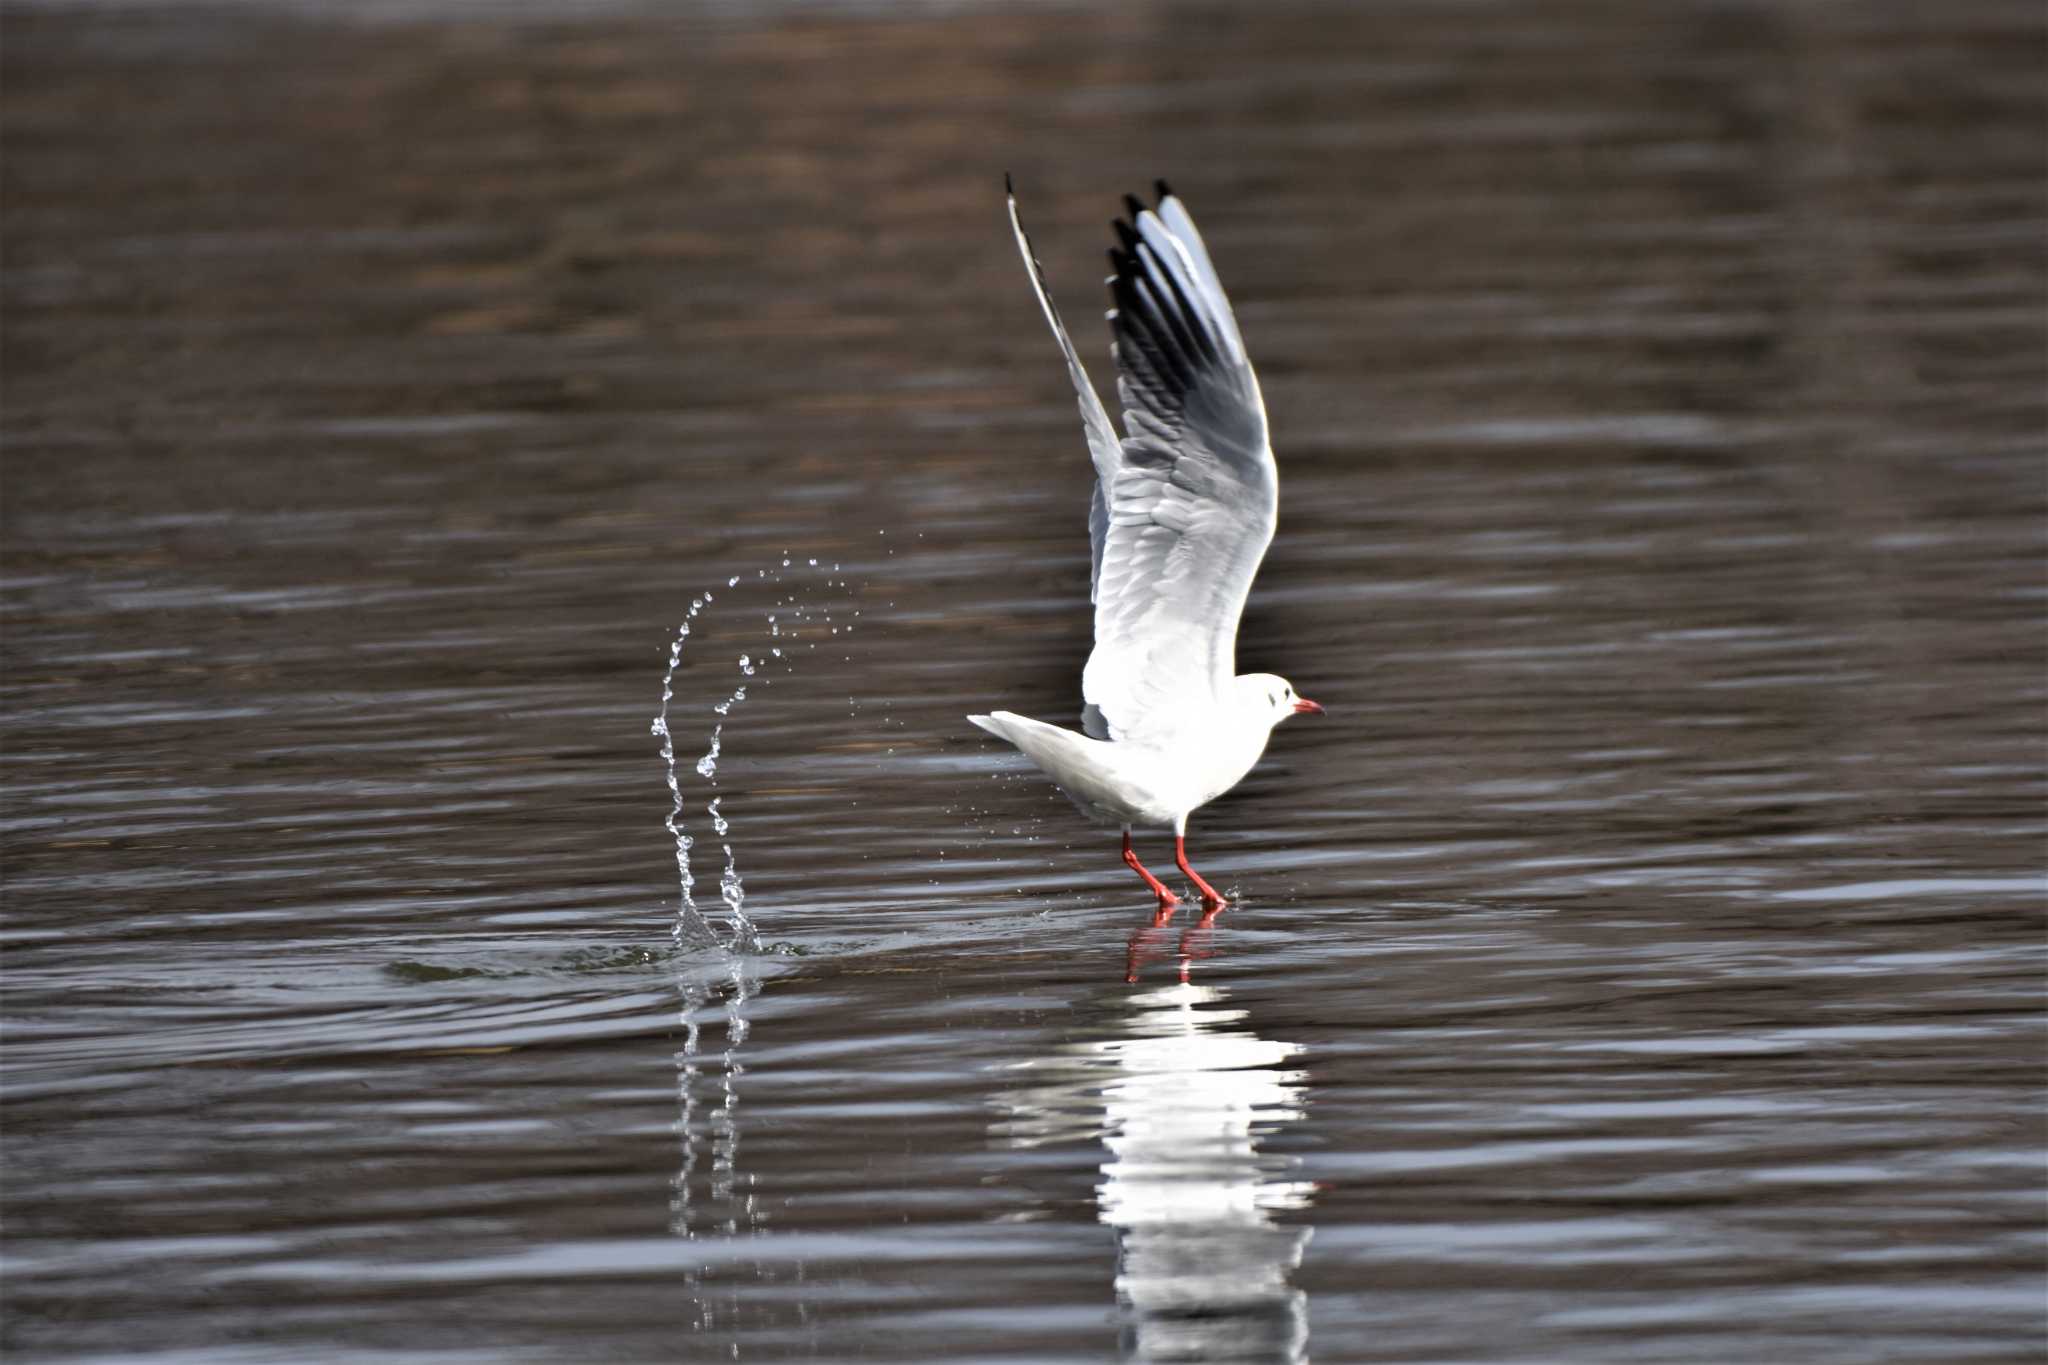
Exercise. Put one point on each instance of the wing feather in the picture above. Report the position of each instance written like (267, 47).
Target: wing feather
(1184, 502)
(1192, 500)
(1103, 447)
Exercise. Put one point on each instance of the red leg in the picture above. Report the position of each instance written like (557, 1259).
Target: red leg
(1167, 900)
(1210, 900)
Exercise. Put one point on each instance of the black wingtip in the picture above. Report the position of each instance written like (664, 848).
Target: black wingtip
(1134, 206)
(1163, 190)
(1125, 234)
(1009, 185)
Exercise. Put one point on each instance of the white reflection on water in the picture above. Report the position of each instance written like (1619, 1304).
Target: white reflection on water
(1181, 1092)
(712, 1195)
(719, 1201)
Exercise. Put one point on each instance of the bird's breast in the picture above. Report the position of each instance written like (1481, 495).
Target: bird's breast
(1201, 762)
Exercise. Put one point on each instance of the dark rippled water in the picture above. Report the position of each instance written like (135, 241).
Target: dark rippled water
(1643, 962)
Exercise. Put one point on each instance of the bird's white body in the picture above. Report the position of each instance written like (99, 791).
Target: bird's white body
(1157, 780)
(1183, 509)
(1135, 785)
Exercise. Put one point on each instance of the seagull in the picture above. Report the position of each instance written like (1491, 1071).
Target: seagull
(1183, 510)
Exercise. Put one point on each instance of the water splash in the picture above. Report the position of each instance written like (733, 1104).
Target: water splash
(712, 1194)
(787, 623)
(690, 926)
(730, 889)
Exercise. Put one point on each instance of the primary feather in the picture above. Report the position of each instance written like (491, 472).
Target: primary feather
(1192, 500)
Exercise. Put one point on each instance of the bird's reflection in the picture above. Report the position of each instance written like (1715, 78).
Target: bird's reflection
(1148, 943)
(1181, 1091)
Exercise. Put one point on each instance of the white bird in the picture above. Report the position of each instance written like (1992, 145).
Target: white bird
(1182, 514)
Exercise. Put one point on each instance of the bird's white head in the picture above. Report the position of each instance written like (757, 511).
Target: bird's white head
(1273, 698)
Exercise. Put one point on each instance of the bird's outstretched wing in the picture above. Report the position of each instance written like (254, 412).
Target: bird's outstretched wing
(1192, 494)
(1102, 442)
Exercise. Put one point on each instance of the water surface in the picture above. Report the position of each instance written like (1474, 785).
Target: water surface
(1641, 962)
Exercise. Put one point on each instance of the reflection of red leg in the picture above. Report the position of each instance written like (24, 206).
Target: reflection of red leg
(1167, 900)
(1141, 948)
(1196, 942)
(1210, 900)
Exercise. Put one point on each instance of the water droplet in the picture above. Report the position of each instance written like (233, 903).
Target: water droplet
(733, 582)
(746, 665)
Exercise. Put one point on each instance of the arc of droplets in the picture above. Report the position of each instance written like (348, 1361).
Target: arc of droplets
(691, 926)
(729, 888)
(690, 923)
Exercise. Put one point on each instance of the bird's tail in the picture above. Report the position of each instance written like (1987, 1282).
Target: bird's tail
(1069, 758)
(1008, 725)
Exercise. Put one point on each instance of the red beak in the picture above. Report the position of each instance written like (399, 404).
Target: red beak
(1304, 707)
